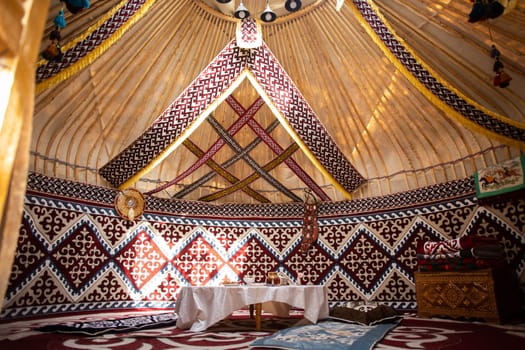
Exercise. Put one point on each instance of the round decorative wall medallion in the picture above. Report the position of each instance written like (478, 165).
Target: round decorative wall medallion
(129, 204)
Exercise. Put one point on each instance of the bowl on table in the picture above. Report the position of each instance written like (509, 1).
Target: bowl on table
(249, 280)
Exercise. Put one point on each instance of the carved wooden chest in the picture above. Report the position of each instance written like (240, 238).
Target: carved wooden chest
(488, 294)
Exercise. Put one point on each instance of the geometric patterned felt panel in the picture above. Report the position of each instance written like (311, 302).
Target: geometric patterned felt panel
(75, 255)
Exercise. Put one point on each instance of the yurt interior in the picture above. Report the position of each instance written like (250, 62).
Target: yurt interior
(255, 174)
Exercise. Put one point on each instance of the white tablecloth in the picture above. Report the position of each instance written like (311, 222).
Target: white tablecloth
(200, 307)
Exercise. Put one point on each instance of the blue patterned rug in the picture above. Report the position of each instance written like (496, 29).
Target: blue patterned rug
(327, 335)
(120, 325)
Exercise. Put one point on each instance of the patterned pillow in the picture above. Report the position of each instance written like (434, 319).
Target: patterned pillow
(364, 314)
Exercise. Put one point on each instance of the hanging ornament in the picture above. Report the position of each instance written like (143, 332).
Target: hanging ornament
(501, 78)
(489, 9)
(310, 225)
(129, 204)
(60, 21)
(53, 51)
(76, 6)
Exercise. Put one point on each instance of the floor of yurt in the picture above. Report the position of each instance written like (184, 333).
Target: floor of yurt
(149, 329)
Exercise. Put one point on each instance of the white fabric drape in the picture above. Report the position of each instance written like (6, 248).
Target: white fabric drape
(201, 307)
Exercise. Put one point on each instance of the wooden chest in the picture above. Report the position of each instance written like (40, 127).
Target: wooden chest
(491, 295)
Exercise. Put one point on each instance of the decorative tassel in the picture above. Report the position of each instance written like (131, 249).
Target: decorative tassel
(501, 79)
(131, 214)
(53, 52)
(60, 21)
(494, 52)
(497, 66)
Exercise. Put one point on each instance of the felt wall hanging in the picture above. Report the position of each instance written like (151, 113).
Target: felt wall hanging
(76, 254)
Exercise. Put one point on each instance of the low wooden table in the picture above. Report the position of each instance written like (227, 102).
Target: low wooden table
(201, 307)
(492, 295)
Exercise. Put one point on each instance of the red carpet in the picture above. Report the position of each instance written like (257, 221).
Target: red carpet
(434, 334)
(238, 333)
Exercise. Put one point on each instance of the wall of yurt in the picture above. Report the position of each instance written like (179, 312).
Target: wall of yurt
(76, 254)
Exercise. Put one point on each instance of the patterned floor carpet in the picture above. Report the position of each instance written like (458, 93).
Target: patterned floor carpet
(238, 332)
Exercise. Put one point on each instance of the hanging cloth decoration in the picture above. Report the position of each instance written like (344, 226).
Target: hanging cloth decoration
(248, 33)
(310, 225)
(129, 204)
